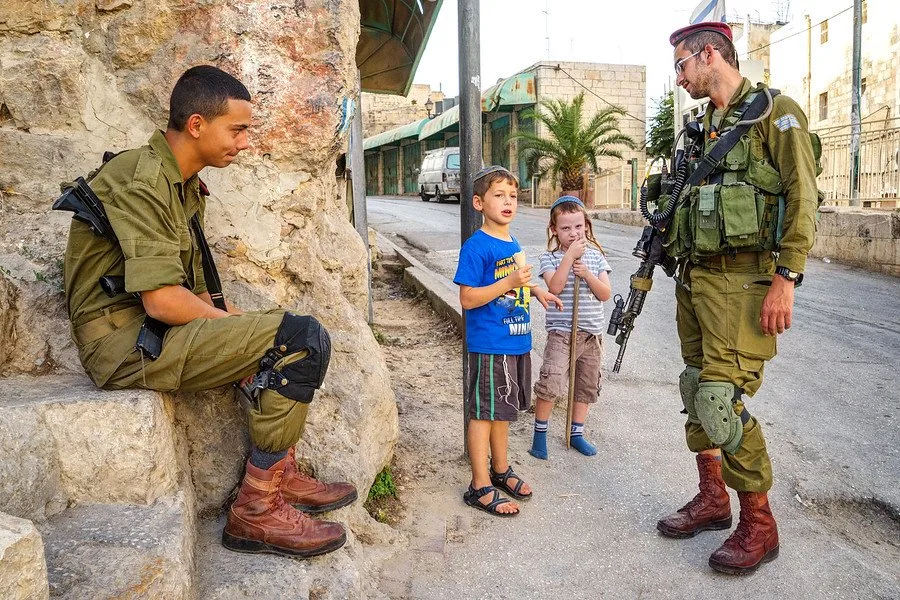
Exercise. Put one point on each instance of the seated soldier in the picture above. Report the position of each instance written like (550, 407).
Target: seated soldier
(150, 195)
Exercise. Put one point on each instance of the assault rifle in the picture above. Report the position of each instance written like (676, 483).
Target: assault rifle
(649, 248)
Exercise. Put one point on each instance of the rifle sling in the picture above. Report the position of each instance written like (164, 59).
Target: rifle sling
(210, 274)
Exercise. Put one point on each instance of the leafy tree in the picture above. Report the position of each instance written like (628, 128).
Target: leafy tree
(569, 144)
(661, 135)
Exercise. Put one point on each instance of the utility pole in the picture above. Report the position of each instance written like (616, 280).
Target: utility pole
(470, 149)
(855, 102)
(358, 185)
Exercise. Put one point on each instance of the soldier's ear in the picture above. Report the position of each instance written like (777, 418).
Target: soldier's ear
(193, 125)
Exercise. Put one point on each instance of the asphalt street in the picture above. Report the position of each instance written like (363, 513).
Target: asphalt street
(830, 410)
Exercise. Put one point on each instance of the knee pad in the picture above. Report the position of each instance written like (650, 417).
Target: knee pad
(688, 382)
(714, 403)
(295, 366)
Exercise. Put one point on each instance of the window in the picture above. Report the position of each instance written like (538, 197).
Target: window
(823, 106)
(453, 161)
(862, 87)
(823, 31)
(865, 12)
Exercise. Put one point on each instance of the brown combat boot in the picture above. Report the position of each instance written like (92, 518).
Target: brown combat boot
(311, 495)
(754, 541)
(260, 521)
(710, 509)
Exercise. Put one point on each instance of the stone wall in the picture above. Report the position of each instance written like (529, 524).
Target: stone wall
(382, 112)
(84, 76)
(622, 85)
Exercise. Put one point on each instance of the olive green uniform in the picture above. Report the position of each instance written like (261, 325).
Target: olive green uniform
(718, 312)
(150, 206)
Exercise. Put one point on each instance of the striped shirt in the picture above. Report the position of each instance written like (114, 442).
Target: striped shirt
(590, 310)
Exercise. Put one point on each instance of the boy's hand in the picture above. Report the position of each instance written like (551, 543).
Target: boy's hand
(580, 269)
(576, 249)
(519, 277)
(545, 298)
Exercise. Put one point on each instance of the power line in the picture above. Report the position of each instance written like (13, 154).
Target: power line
(801, 31)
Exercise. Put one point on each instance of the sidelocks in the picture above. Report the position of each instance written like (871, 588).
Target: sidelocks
(688, 167)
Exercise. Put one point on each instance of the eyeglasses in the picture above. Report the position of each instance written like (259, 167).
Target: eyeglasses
(679, 65)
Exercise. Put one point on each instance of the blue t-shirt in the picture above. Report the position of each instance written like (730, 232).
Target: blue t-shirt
(503, 325)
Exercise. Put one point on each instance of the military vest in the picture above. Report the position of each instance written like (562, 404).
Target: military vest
(740, 206)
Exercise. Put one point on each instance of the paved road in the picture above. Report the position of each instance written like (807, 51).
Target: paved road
(831, 412)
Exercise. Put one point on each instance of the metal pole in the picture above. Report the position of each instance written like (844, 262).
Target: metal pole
(855, 101)
(358, 180)
(634, 183)
(469, 144)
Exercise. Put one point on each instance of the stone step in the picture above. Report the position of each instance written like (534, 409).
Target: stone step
(122, 551)
(23, 570)
(64, 441)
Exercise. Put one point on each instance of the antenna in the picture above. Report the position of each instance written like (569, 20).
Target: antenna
(547, 29)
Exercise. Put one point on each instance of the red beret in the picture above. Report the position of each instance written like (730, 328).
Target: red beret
(714, 26)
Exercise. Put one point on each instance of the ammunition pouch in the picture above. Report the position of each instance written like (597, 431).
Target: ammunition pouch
(714, 403)
(295, 366)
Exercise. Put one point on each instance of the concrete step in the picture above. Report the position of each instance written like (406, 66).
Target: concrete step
(64, 441)
(122, 551)
(23, 571)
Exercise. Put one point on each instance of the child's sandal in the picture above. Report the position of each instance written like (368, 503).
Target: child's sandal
(500, 480)
(472, 497)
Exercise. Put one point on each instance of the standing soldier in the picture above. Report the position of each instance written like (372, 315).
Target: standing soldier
(744, 236)
(155, 204)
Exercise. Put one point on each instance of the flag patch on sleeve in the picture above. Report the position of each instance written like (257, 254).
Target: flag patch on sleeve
(785, 122)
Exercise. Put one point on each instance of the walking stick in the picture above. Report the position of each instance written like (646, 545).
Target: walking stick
(572, 339)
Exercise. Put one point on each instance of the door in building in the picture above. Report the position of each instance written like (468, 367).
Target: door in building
(500, 141)
(411, 163)
(372, 174)
(525, 126)
(391, 166)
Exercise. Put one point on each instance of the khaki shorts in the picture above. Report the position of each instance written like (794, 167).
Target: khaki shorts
(498, 386)
(554, 381)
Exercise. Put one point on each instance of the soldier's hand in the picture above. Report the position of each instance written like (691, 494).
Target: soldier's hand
(777, 307)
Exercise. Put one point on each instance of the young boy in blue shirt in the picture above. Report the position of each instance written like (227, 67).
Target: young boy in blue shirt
(495, 290)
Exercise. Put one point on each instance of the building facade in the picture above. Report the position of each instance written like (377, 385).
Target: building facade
(393, 156)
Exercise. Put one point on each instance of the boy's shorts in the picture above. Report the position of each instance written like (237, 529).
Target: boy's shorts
(554, 380)
(498, 385)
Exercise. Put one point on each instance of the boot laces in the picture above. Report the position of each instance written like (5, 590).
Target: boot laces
(287, 513)
(747, 524)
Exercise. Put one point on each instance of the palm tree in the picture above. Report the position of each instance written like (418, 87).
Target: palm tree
(569, 144)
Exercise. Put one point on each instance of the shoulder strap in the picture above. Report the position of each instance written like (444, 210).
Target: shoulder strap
(728, 141)
(210, 274)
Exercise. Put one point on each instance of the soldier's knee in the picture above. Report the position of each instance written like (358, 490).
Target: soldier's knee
(714, 403)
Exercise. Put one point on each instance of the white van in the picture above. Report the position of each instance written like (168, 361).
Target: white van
(439, 174)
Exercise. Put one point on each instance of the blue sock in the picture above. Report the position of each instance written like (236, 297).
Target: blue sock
(539, 443)
(579, 443)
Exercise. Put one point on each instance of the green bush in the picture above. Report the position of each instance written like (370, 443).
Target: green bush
(383, 485)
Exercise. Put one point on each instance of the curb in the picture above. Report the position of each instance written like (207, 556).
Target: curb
(441, 292)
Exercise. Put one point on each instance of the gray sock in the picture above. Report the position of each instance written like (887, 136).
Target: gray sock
(264, 460)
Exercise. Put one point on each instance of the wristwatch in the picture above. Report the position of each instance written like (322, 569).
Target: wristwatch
(793, 276)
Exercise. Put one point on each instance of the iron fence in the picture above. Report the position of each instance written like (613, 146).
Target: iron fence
(879, 164)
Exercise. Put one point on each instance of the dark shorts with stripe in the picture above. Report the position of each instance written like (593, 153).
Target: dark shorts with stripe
(498, 386)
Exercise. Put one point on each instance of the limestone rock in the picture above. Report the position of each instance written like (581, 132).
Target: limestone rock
(122, 551)
(23, 570)
(95, 446)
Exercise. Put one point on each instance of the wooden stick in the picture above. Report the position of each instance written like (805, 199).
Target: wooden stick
(572, 339)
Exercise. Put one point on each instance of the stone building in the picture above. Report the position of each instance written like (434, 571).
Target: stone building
(393, 156)
(811, 60)
(382, 112)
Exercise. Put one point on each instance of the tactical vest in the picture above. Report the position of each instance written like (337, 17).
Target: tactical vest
(740, 206)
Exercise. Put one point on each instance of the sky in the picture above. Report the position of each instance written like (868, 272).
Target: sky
(514, 36)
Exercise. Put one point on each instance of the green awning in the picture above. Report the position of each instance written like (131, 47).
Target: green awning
(518, 89)
(392, 38)
(394, 136)
(443, 122)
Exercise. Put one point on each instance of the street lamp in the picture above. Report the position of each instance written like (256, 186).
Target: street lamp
(429, 105)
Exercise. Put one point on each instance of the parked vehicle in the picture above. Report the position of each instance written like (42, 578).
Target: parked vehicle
(439, 174)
